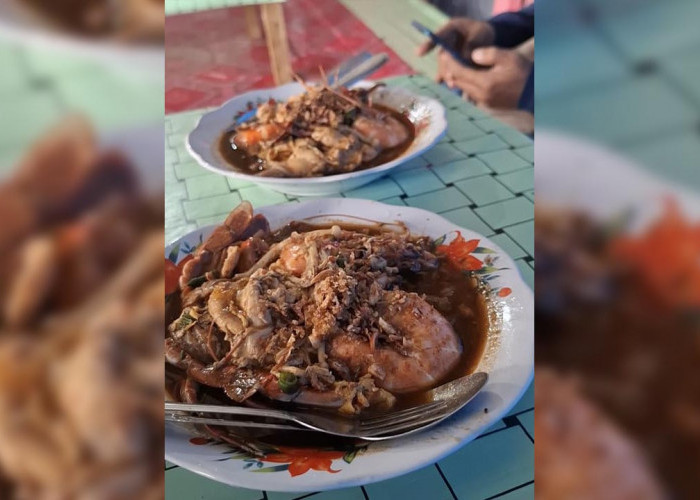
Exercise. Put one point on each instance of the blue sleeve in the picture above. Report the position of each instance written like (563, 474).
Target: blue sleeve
(513, 28)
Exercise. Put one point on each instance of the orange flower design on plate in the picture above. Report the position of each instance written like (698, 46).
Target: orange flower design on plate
(459, 251)
(302, 460)
(296, 461)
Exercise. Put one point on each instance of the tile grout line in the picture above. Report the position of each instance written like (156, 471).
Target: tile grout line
(531, 219)
(496, 431)
(503, 493)
(449, 486)
(517, 414)
(669, 80)
(517, 243)
(526, 431)
(512, 421)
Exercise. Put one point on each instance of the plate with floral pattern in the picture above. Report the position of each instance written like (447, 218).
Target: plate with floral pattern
(508, 358)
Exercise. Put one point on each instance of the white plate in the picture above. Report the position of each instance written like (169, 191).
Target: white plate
(509, 360)
(579, 174)
(427, 114)
(19, 26)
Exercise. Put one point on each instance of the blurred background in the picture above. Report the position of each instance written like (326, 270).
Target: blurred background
(617, 249)
(81, 194)
(618, 105)
(624, 73)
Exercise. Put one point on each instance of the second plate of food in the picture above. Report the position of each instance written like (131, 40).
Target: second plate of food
(315, 140)
(361, 307)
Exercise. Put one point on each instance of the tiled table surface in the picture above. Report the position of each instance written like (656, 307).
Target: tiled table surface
(479, 176)
(38, 86)
(625, 74)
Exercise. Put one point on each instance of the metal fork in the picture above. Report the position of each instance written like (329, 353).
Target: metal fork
(446, 400)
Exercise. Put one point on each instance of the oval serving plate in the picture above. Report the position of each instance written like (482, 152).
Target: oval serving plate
(578, 174)
(427, 114)
(508, 358)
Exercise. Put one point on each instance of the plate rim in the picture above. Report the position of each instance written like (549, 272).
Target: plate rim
(647, 182)
(518, 284)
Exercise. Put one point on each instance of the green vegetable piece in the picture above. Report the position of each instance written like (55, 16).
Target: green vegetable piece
(198, 281)
(340, 262)
(185, 321)
(288, 383)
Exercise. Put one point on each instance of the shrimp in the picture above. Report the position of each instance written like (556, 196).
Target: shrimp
(386, 132)
(433, 346)
(299, 256)
(250, 138)
(293, 258)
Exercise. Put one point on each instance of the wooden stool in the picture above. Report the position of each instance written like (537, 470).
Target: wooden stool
(272, 16)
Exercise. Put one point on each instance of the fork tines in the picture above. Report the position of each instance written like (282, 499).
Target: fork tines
(403, 420)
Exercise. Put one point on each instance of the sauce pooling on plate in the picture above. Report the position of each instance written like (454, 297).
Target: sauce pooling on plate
(322, 132)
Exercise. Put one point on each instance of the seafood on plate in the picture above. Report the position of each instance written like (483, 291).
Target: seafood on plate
(323, 131)
(81, 315)
(344, 318)
(617, 312)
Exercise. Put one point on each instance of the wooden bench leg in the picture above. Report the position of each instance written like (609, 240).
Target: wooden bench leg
(277, 43)
(252, 22)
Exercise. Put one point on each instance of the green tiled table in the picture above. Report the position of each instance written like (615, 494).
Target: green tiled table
(624, 74)
(479, 176)
(38, 86)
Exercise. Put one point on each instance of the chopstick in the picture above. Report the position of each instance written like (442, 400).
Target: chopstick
(365, 68)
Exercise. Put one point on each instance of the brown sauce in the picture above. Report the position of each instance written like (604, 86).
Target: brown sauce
(245, 163)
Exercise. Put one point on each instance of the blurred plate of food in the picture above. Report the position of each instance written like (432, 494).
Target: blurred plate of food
(617, 308)
(315, 140)
(81, 311)
(361, 307)
(129, 34)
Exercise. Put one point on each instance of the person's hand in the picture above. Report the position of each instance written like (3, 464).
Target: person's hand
(498, 86)
(462, 34)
